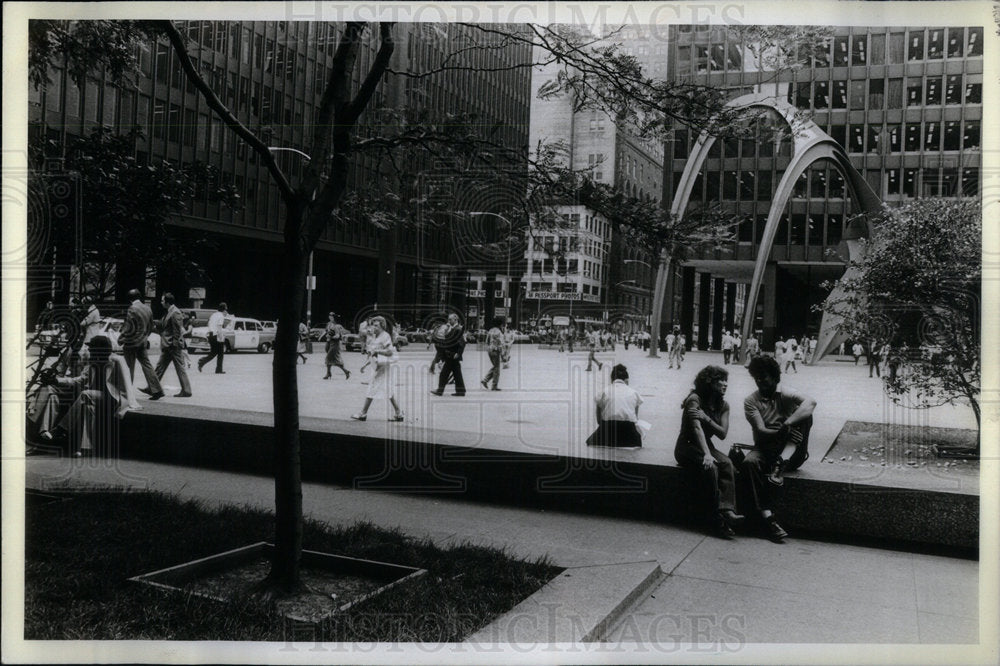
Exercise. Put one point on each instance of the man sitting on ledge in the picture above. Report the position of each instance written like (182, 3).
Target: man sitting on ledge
(778, 418)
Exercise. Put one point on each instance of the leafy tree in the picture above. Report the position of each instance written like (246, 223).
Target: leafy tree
(598, 74)
(125, 206)
(917, 291)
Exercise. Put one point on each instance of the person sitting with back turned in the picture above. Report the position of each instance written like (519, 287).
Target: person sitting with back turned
(706, 415)
(777, 418)
(617, 413)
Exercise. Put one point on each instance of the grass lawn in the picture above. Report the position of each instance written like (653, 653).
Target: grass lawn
(79, 553)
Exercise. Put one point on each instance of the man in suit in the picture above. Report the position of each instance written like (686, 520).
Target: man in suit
(172, 345)
(450, 344)
(135, 334)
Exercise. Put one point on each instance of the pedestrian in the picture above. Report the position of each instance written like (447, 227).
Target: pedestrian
(790, 354)
(669, 340)
(494, 347)
(753, 348)
(777, 418)
(300, 348)
(383, 353)
(617, 413)
(873, 359)
(727, 347)
(95, 396)
(508, 345)
(216, 343)
(334, 335)
(451, 345)
(172, 345)
(813, 343)
(737, 346)
(675, 352)
(625, 340)
(706, 415)
(856, 351)
(134, 338)
(593, 339)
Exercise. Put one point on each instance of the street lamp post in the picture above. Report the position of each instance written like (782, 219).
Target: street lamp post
(508, 301)
(310, 279)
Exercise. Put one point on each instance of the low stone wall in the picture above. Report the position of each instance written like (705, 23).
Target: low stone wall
(837, 510)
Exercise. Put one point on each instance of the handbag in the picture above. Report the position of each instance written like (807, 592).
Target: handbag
(737, 454)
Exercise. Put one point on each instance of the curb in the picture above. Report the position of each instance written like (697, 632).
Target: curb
(581, 604)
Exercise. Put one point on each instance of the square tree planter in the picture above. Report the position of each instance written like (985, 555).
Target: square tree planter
(337, 582)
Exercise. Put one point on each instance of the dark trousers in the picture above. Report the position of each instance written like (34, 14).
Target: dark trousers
(726, 353)
(718, 481)
(173, 355)
(761, 460)
(451, 367)
(217, 350)
(133, 354)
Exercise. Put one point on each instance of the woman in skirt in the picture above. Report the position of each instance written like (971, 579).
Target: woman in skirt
(379, 347)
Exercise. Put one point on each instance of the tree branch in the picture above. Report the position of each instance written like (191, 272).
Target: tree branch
(258, 146)
(378, 67)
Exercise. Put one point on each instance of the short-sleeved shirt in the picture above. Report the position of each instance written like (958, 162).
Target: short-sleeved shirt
(773, 412)
(687, 446)
(619, 402)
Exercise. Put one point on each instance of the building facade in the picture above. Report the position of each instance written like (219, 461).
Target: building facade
(272, 75)
(580, 266)
(904, 103)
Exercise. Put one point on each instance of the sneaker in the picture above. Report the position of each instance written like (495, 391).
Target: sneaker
(775, 477)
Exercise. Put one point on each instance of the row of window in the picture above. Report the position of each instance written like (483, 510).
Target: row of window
(876, 94)
(828, 184)
(927, 136)
(843, 50)
(566, 287)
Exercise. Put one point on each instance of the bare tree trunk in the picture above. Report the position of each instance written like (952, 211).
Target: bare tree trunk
(285, 573)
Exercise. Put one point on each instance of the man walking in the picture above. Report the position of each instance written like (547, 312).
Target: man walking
(134, 337)
(593, 339)
(172, 345)
(450, 343)
(216, 344)
(494, 346)
(727, 347)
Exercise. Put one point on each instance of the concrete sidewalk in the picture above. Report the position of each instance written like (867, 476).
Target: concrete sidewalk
(719, 596)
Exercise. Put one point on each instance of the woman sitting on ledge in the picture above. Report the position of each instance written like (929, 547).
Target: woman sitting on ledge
(706, 415)
(617, 413)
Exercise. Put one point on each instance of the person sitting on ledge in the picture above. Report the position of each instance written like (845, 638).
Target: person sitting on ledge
(617, 413)
(777, 418)
(706, 414)
(82, 408)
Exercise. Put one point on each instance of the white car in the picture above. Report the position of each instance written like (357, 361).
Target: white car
(238, 334)
(112, 328)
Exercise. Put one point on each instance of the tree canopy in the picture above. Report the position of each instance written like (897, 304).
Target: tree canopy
(916, 292)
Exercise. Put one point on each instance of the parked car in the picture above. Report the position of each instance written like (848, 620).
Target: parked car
(238, 334)
(112, 328)
(352, 342)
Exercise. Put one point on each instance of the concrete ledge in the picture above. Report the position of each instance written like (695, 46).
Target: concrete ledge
(607, 482)
(579, 605)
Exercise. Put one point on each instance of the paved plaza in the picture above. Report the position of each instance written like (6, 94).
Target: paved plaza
(546, 401)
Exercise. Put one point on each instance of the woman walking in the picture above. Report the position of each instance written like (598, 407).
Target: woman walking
(380, 348)
(334, 334)
(301, 348)
(706, 415)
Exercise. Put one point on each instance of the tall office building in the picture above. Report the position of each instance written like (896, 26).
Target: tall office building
(580, 267)
(272, 75)
(904, 104)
